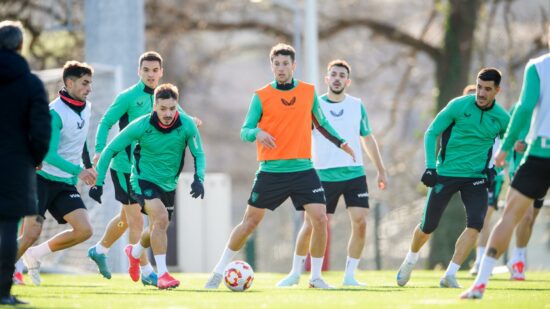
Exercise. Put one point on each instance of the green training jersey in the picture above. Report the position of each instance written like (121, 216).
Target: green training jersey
(529, 99)
(130, 104)
(159, 156)
(467, 137)
(250, 129)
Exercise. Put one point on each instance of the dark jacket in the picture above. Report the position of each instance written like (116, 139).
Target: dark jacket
(25, 132)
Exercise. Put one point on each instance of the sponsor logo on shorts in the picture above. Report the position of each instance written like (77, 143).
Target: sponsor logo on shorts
(363, 195)
(169, 207)
(74, 195)
(318, 190)
(479, 182)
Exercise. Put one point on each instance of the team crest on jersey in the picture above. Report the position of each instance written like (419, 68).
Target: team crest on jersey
(337, 114)
(288, 103)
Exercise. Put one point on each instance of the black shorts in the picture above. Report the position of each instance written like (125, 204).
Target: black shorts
(494, 193)
(151, 191)
(58, 198)
(123, 189)
(473, 192)
(355, 191)
(538, 203)
(270, 190)
(532, 178)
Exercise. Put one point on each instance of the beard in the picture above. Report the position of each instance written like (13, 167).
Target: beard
(337, 91)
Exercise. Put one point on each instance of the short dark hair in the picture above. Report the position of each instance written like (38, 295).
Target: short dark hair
(282, 49)
(74, 70)
(490, 74)
(166, 91)
(469, 89)
(11, 35)
(150, 56)
(339, 63)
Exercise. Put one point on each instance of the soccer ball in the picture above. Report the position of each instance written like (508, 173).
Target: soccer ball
(238, 276)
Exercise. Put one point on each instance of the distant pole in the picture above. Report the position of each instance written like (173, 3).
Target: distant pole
(297, 39)
(311, 37)
(115, 35)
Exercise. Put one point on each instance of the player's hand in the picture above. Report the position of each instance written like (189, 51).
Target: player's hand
(95, 159)
(197, 189)
(429, 179)
(382, 180)
(345, 147)
(520, 146)
(500, 158)
(198, 121)
(95, 193)
(266, 139)
(88, 176)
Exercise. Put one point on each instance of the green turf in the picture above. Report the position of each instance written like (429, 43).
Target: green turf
(92, 291)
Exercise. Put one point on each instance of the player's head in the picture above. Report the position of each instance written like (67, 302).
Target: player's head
(282, 58)
(487, 86)
(338, 76)
(77, 77)
(11, 35)
(150, 68)
(470, 89)
(166, 103)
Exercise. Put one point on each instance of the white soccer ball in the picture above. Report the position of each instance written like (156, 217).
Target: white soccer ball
(238, 276)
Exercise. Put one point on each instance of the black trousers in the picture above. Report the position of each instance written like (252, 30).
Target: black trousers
(8, 251)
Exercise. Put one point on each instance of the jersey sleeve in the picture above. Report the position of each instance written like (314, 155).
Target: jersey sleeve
(441, 122)
(250, 128)
(365, 129)
(52, 157)
(111, 116)
(322, 125)
(124, 139)
(529, 97)
(195, 147)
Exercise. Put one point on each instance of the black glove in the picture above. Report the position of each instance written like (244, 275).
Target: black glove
(96, 192)
(197, 189)
(429, 178)
(491, 175)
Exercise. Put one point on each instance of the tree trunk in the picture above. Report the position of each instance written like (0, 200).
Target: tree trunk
(453, 70)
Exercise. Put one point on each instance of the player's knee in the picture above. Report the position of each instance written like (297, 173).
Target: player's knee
(84, 233)
(162, 221)
(319, 220)
(360, 224)
(250, 224)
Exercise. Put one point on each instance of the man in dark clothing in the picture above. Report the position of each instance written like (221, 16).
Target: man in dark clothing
(24, 135)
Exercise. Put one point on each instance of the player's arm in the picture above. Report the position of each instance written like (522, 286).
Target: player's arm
(441, 122)
(195, 147)
(125, 138)
(111, 116)
(52, 157)
(250, 129)
(519, 125)
(370, 146)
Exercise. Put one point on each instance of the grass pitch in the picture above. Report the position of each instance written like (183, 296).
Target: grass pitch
(93, 291)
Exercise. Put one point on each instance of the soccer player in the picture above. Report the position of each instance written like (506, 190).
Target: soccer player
(279, 120)
(532, 179)
(132, 103)
(339, 174)
(494, 190)
(468, 126)
(56, 181)
(160, 140)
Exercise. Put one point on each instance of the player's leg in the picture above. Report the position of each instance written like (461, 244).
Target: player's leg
(473, 192)
(32, 227)
(531, 182)
(300, 254)
(517, 263)
(482, 239)
(114, 230)
(437, 199)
